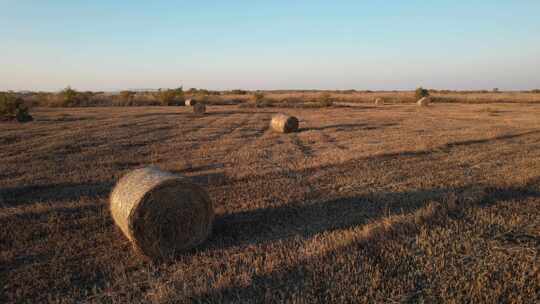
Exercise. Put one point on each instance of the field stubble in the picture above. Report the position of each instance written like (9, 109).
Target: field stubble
(365, 203)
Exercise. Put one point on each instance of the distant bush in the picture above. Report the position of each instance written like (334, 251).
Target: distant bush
(421, 92)
(203, 92)
(12, 107)
(69, 97)
(259, 99)
(132, 99)
(326, 100)
(124, 99)
(239, 92)
(166, 97)
(195, 91)
(258, 96)
(170, 97)
(262, 103)
(536, 91)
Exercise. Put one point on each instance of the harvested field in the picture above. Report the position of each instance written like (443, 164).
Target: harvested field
(399, 97)
(365, 203)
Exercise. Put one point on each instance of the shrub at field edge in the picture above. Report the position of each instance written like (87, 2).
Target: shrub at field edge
(12, 108)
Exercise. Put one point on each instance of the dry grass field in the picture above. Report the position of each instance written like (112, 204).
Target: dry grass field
(366, 204)
(398, 97)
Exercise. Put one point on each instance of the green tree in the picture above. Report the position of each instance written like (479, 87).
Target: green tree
(12, 107)
(421, 92)
(69, 96)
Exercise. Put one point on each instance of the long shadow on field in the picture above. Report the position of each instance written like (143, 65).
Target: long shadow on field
(305, 275)
(227, 113)
(16, 196)
(308, 219)
(349, 127)
(219, 179)
(159, 115)
(65, 118)
(190, 113)
(338, 127)
(449, 146)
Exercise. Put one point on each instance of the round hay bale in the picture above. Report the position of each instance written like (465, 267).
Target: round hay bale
(424, 102)
(284, 123)
(199, 108)
(379, 101)
(190, 102)
(161, 213)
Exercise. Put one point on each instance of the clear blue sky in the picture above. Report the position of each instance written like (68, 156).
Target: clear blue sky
(109, 45)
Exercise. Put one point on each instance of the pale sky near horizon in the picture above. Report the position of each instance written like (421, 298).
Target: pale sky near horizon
(377, 45)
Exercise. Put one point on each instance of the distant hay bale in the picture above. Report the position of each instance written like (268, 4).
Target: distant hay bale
(424, 102)
(161, 213)
(199, 108)
(190, 102)
(379, 101)
(284, 123)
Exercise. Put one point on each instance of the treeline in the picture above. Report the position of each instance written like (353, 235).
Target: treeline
(70, 97)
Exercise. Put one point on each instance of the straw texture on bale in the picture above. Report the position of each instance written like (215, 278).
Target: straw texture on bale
(161, 213)
(379, 101)
(199, 108)
(424, 101)
(190, 102)
(284, 123)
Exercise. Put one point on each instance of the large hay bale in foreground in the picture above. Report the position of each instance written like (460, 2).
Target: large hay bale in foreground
(190, 102)
(161, 213)
(379, 101)
(424, 102)
(284, 123)
(199, 108)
